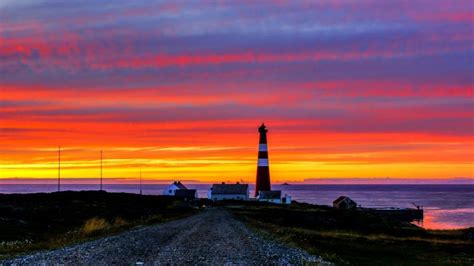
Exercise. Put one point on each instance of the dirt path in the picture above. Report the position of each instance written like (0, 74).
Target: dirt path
(211, 237)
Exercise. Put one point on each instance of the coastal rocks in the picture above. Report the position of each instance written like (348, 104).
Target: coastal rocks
(212, 237)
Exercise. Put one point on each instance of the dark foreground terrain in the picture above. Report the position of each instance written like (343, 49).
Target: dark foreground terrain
(94, 226)
(358, 238)
(39, 221)
(212, 237)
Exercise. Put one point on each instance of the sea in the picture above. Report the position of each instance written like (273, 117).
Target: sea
(445, 206)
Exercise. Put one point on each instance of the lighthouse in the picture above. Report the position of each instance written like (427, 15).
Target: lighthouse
(263, 169)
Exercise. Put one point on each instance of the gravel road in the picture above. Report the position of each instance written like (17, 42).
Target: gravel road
(212, 237)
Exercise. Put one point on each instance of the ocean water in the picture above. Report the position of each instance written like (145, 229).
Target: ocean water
(446, 206)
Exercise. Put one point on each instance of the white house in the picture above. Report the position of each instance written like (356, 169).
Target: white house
(273, 196)
(228, 192)
(171, 189)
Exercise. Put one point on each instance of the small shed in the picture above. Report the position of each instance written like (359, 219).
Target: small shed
(273, 196)
(229, 192)
(171, 189)
(344, 202)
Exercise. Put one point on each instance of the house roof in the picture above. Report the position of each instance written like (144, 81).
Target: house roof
(179, 185)
(341, 198)
(273, 194)
(185, 193)
(229, 188)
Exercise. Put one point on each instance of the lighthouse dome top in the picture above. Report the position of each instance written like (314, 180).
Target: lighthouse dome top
(262, 128)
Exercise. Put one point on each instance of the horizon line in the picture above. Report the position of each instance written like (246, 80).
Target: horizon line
(307, 181)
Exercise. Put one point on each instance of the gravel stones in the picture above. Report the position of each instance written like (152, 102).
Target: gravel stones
(212, 237)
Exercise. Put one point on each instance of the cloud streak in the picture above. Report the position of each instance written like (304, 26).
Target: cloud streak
(349, 86)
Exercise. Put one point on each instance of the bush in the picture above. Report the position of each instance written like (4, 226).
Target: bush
(120, 222)
(95, 224)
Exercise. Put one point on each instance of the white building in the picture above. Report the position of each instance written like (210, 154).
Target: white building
(228, 192)
(171, 189)
(286, 199)
(273, 196)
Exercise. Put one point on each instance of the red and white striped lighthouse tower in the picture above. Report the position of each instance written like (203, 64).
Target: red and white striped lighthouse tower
(263, 169)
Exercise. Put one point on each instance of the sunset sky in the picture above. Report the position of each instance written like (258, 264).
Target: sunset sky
(178, 89)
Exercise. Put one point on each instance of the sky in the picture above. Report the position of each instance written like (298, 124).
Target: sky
(177, 89)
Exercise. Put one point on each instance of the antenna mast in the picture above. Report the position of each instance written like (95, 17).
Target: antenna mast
(59, 168)
(100, 170)
(140, 182)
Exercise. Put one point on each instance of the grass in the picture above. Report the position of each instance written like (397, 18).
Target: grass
(95, 224)
(40, 221)
(348, 237)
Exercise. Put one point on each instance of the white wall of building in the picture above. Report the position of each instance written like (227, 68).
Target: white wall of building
(278, 201)
(170, 190)
(212, 196)
(229, 197)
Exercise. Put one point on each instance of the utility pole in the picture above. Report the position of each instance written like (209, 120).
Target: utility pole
(100, 170)
(140, 182)
(59, 168)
